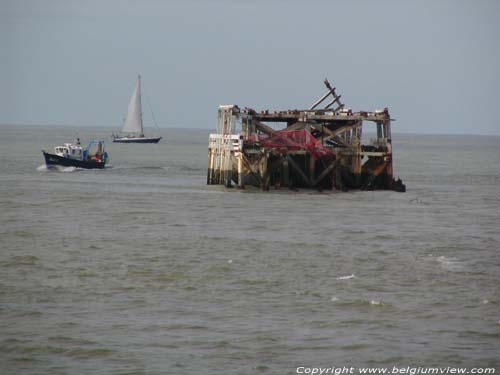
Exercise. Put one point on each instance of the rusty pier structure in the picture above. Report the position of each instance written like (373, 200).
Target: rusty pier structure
(317, 148)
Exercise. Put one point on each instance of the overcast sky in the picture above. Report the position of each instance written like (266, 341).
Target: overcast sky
(435, 64)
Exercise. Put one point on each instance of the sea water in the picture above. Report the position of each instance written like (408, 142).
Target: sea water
(141, 268)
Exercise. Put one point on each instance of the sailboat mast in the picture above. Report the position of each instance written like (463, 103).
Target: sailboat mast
(140, 104)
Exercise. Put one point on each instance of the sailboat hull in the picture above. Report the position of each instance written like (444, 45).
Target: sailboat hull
(53, 160)
(136, 140)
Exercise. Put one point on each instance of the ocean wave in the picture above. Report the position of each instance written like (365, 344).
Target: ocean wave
(354, 346)
(67, 340)
(351, 276)
(364, 303)
(89, 353)
(485, 334)
(450, 264)
(22, 260)
(56, 168)
(68, 169)
(62, 169)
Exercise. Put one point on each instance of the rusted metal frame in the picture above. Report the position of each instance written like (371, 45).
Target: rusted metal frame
(270, 170)
(299, 170)
(355, 129)
(338, 140)
(318, 115)
(326, 171)
(344, 128)
(235, 164)
(333, 102)
(251, 167)
(320, 100)
(374, 174)
(299, 125)
(336, 97)
(263, 127)
(331, 91)
(332, 135)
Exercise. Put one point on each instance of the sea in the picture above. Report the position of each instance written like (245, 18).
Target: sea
(141, 268)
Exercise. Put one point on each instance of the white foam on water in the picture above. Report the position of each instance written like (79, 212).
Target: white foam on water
(57, 168)
(334, 299)
(351, 276)
(450, 264)
(375, 303)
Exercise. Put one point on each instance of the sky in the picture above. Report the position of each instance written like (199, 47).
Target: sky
(434, 64)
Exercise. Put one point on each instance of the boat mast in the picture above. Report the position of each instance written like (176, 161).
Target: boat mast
(140, 105)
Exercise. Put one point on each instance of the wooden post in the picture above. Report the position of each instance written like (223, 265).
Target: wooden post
(379, 131)
(356, 143)
(357, 165)
(285, 174)
(215, 169)
(209, 168)
(228, 168)
(218, 176)
(312, 167)
(389, 171)
(241, 175)
(264, 172)
(387, 129)
(221, 168)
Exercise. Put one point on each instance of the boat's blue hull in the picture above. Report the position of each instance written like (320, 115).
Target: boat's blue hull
(137, 140)
(53, 160)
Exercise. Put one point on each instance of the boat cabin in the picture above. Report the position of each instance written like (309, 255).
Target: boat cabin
(69, 150)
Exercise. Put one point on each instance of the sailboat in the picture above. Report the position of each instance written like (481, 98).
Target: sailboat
(132, 130)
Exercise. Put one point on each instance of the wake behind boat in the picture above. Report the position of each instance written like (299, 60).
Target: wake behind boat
(74, 155)
(133, 131)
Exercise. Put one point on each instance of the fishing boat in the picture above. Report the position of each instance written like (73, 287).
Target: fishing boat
(132, 130)
(73, 154)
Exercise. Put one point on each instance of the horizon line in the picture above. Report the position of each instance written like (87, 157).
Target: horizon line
(396, 131)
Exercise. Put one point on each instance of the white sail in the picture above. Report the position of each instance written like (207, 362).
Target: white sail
(133, 121)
